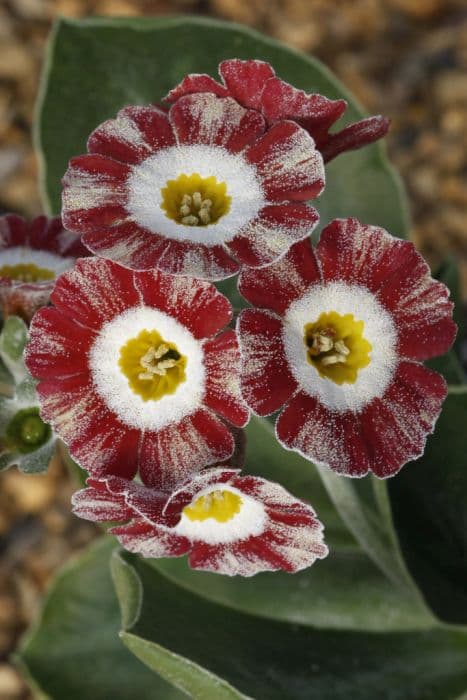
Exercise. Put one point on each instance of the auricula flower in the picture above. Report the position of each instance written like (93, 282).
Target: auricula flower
(32, 255)
(137, 371)
(199, 190)
(338, 341)
(255, 85)
(226, 523)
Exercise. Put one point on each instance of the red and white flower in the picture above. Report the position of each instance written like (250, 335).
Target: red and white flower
(255, 85)
(200, 190)
(136, 373)
(340, 344)
(226, 523)
(32, 255)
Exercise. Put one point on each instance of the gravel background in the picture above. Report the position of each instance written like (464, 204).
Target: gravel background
(406, 59)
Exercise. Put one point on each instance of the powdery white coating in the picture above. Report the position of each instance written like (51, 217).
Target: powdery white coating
(250, 521)
(379, 330)
(112, 384)
(23, 255)
(150, 177)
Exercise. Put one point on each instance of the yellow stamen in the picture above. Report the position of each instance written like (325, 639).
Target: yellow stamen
(193, 200)
(153, 367)
(336, 346)
(26, 272)
(220, 505)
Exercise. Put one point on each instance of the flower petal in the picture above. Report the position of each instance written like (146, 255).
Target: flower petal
(288, 162)
(95, 503)
(354, 136)
(196, 82)
(276, 286)
(222, 362)
(174, 453)
(272, 233)
(97, 440)
(314, 112)
(401, 279)
(325, 437)
(207, 119)
(127, 244)
(95, 192)
(133, 136)
(266, 379)
(57, 346)
(197, 260)
(245, 80)
(396, 426)
(150, 540)
(94, 291)
(194, 303)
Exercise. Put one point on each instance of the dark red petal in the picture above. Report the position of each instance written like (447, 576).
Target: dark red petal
(197, 260)
(360, 254)
(95, 192)
(97, 439)
(194, 303)
(276, 286)
(94, 291)
(173, 454)
(289, 164)
(97, 504)
(196, 82)
(207, 119)
(57, 346)
(325, 437)
(354, 136)
(222, 363)
(128, 244)
(150, 540)
(267, 382)
(245, 80)
(420, 308)
(271, 234)
(314, 112)
(135, 134)
(400, 278)
(395, 427)
(14, 230)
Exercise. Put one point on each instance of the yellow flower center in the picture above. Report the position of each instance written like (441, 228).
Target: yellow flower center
(336, 346)
(153, 366)
(193, 200)
(26, 272)
(220, 505)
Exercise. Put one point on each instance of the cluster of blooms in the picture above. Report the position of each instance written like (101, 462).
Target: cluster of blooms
(138, 371)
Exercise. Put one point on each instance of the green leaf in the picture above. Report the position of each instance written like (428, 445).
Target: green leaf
(97, 66)
(74, 651)
(428, 499)
(13, 338)
(211, 651)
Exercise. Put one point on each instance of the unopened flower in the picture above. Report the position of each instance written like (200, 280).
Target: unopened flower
(226, 523)
(200, 190)
(32, 255)
(135, 372)
(340, 344)
(255, 85)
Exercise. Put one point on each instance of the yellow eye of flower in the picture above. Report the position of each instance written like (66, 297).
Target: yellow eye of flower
(153, 366)
(26, 272)
(220, 505)
(193, 200)
(336, 346)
